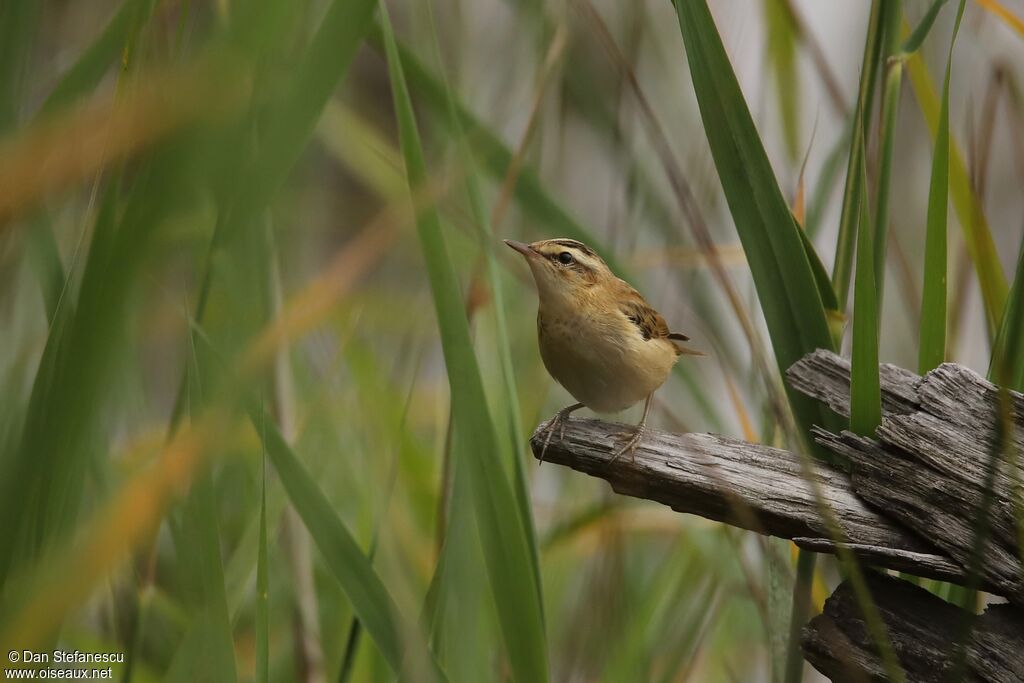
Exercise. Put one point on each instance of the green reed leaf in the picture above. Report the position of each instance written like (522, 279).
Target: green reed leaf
(842, 271)
(93, 64)
(932, 339)
(782, 272)
(865, 388)
(969, 209)
(923, 28)
(342, 556)
(504, 536)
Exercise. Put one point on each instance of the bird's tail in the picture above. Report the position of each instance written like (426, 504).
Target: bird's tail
(681, 350)
(687, 351)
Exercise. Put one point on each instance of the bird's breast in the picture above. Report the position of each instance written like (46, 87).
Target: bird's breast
(601, 358)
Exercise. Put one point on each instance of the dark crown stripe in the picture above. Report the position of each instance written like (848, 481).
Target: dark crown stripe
(573, 244)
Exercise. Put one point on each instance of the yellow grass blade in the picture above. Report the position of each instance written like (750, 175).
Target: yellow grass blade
(968, 208)
(1009, 18)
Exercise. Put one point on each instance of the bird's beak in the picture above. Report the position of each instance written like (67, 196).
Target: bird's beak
(523, 248)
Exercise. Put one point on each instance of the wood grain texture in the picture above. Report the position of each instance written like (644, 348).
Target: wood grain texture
(825, 376)
(908, 501)
(748, 485)
(926, 466)
(923, 630)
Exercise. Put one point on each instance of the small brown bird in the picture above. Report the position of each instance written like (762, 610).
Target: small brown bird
(598, 337)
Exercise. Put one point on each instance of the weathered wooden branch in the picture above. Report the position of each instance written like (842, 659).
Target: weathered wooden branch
(910, 501)
(922, 629)
(747, 485)
(926, 466)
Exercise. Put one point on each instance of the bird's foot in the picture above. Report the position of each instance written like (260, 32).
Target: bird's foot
(633, 441)
(557, 422)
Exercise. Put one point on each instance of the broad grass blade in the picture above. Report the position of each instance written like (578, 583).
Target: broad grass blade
(346, 561)
(969, 210)
(504, 537)
(488, 246)
(783, 275)
(842, 270)
(932, 339)
(893, 70)
(865, 389)
(91, 66)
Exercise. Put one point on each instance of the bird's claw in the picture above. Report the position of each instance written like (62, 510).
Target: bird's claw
(630, 446)
(557, 422)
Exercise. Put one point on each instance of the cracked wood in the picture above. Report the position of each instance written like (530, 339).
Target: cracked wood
(925, 468)
(748, 485)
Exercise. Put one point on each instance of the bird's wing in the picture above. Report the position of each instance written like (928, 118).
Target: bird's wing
(649, 321)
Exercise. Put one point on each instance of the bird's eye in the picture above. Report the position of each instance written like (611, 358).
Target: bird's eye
(565, 258)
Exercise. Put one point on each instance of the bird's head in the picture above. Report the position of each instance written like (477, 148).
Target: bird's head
(563, 269)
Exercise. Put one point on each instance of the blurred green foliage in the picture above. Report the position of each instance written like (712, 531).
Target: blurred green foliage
(267, 376)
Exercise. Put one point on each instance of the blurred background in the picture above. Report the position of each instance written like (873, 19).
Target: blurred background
(206, 237)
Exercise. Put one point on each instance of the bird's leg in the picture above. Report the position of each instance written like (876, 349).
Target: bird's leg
(636, 436)
(558, 422)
